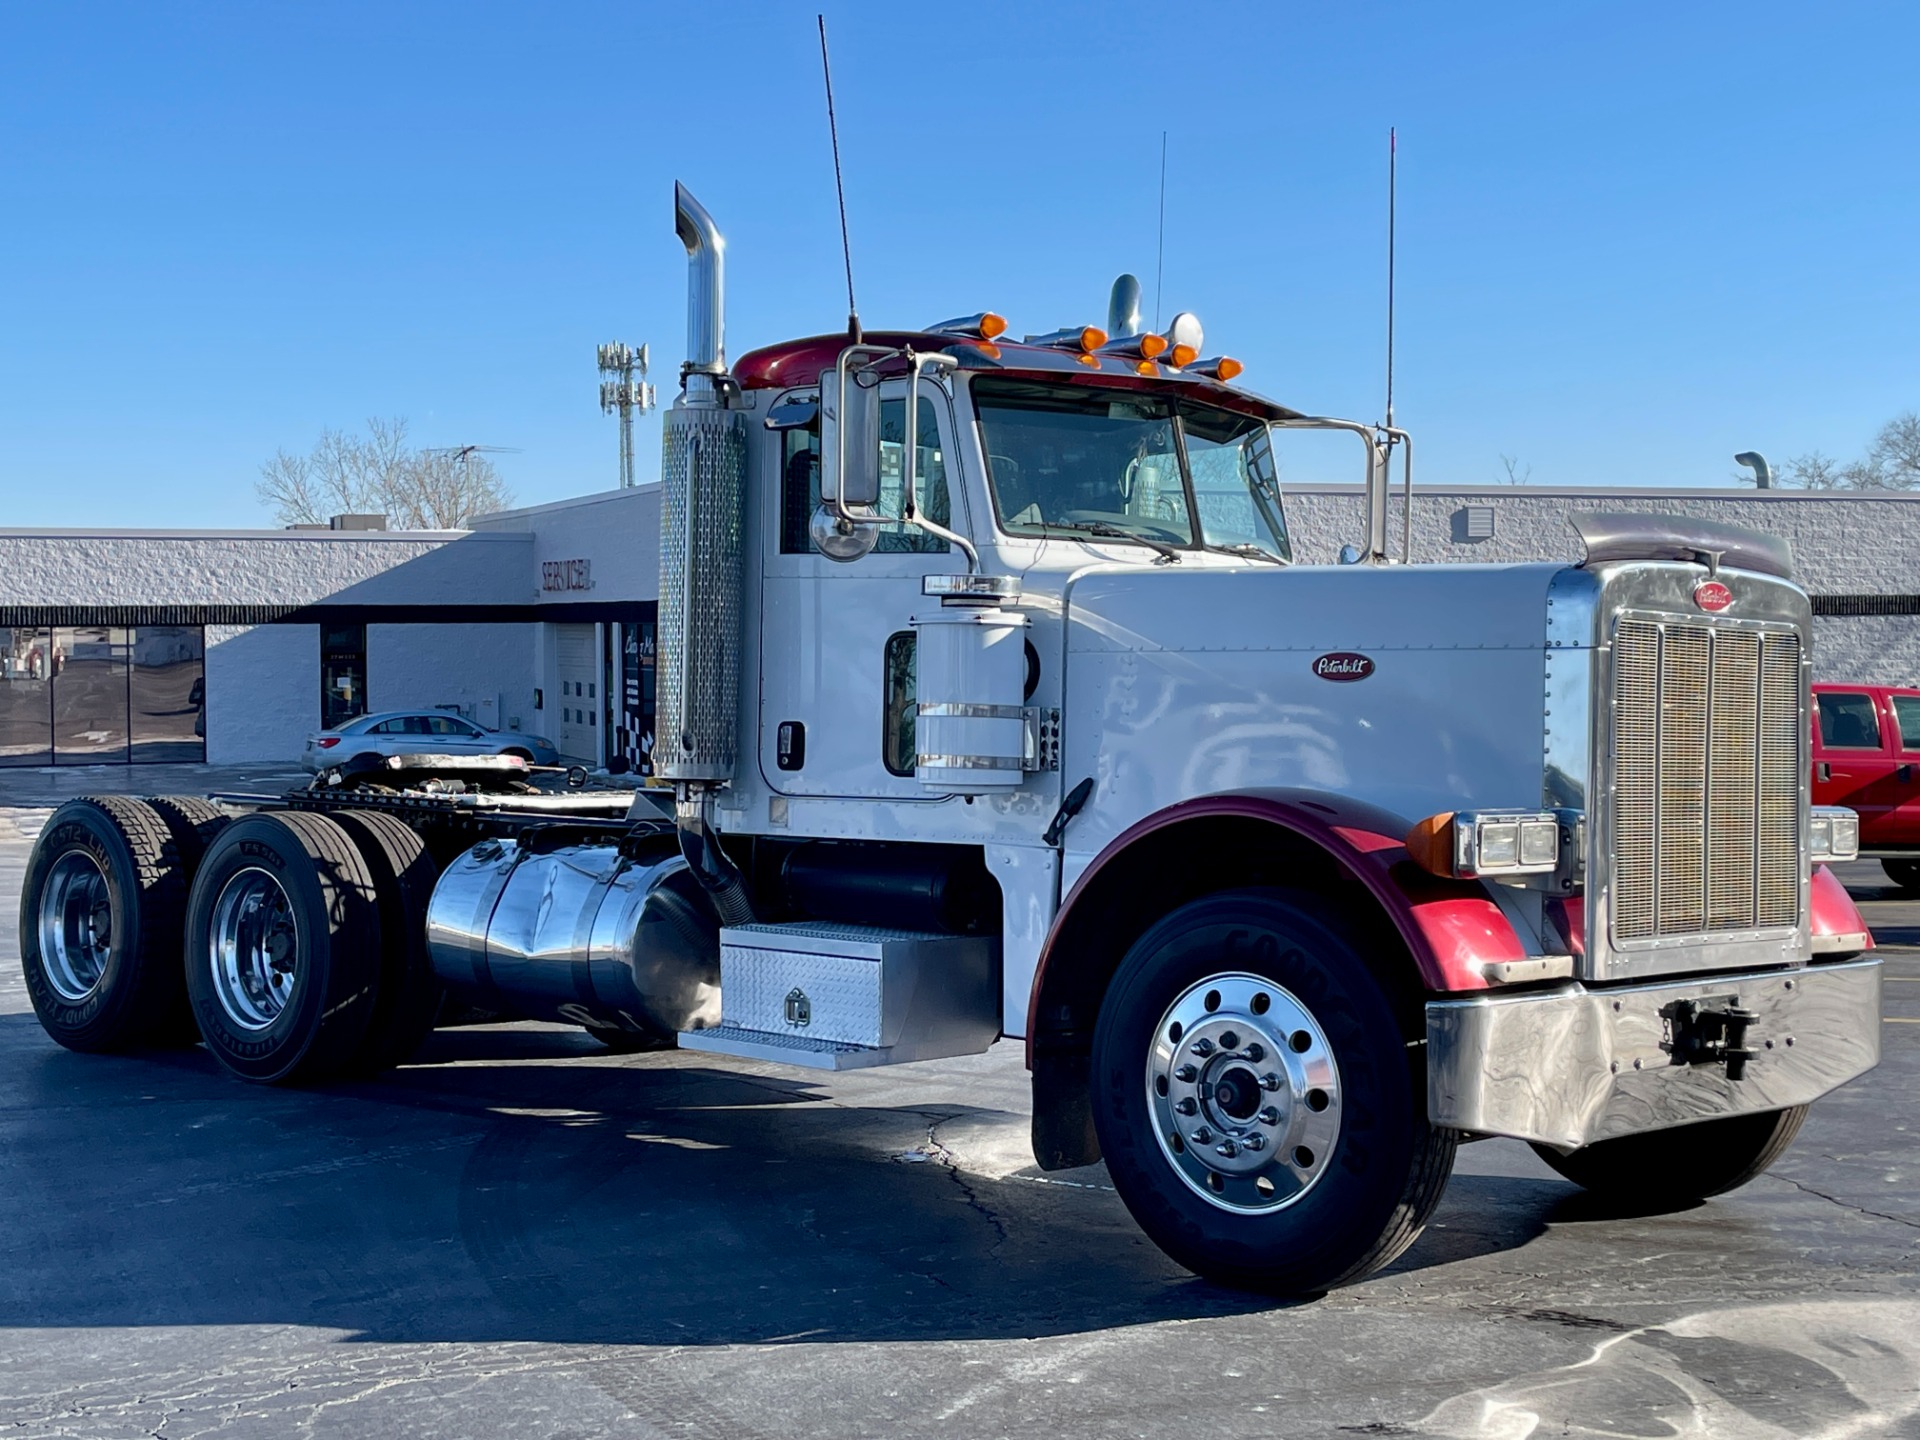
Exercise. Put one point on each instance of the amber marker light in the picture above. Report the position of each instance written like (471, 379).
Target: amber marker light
(1226, 368)
(1092, 338)
(1430, 843)
(1152, 345)
(992, 326)
(1182, 356)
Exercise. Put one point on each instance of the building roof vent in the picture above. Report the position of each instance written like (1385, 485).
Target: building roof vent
(358, 522)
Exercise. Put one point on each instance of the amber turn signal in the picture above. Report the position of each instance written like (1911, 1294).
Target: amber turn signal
(1430, 843)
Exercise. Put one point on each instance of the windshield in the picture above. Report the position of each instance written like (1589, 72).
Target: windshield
(1068, 459)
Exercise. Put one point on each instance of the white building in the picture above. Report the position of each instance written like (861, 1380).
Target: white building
(231, 646)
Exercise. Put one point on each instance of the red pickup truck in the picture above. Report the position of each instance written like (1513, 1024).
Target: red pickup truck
(1866, 756)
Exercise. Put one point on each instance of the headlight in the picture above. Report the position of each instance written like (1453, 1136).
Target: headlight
(1833, 834)
(1492, 843)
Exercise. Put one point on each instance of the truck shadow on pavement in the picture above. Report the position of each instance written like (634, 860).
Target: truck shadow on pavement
(524, 1185)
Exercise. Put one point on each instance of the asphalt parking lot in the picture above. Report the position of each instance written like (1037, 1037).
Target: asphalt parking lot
(523, 1235)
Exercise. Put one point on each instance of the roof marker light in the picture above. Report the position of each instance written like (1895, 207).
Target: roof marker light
(1084, 338)
(1182, 356)
(1222, 368)
(1144, 346)
(984, 326)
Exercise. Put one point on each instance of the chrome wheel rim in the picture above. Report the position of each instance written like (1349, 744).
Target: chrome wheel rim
(76, 925)
(253, 943)
(1244, 1093)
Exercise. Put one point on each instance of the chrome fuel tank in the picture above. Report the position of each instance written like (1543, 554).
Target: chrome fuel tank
(580, 934)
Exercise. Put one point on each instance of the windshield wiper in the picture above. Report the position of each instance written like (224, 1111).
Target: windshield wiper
(1246, 549)
(1114, 532)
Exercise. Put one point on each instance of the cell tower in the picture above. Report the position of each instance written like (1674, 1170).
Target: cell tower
(622, 393)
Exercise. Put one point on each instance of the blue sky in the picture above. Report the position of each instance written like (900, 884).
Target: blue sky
(1633, 238)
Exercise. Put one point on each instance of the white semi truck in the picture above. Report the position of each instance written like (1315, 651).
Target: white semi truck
(993, 704)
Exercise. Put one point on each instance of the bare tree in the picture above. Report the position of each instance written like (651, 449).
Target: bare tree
(1892, 462)
(1515, 474)
(379, 473)
(1895, 453)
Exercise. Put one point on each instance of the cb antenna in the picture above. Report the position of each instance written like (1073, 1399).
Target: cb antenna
(1393, 157)
(840, 189)
(1160, 250)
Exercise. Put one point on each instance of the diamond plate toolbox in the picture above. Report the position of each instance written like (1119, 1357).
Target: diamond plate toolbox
(860, 985)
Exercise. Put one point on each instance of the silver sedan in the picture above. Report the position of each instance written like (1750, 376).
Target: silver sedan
(421, 732)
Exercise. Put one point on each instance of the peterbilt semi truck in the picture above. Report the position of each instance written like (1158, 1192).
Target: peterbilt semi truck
(993, 703)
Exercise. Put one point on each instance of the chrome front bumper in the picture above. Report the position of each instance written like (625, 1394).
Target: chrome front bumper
(1572, 1065)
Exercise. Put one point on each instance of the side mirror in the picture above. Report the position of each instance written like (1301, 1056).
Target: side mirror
(849, 435)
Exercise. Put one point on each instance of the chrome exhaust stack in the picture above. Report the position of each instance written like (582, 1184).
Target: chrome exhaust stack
(706, 298)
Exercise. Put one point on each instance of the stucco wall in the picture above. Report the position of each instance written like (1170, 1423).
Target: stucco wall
(1843, 544)
(292, 567)
(263, 691)
(618, 530)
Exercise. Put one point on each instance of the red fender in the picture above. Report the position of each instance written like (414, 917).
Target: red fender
(1835, 918)
(1452, 928)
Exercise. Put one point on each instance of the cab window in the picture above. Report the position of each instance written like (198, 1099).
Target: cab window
(1848, 722)
(1906, 714)
(800, 483)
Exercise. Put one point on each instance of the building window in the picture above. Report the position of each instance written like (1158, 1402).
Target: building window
(343, 674)
(103, 694)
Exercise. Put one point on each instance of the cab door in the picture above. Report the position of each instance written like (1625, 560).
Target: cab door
(1854, 761)
(1902, 823)
(836, 639)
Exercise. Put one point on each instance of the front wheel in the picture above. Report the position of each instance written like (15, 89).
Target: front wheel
(1670, 1168)
(1257, 1103)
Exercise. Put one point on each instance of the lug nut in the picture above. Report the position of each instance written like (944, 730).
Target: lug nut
(1269, 1116)
(1226, 1150)
(1184, 1107)
(1202, 1047)
(1254, 1142)
(1256, 1052)
(1186, 1074)
(1203, 1136)
(1269, 1081)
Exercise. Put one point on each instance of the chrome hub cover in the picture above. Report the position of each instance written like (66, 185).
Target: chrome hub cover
(76, 926)
(253, 943)
(1244, 1093)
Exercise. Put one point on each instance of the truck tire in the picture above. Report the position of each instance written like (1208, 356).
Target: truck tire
(1258, 1106)
(283, 948)
(1903, 873)
(1670, 1168)
(409, 994)
(193, 823)
(101, 912)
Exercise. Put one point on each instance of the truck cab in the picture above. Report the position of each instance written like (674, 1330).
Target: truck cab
(1866, 757)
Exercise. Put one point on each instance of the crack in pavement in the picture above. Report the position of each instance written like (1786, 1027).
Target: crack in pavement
(1845, 1205)
(947, 1158)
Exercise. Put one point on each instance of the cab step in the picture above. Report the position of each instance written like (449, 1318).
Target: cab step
(830, 996)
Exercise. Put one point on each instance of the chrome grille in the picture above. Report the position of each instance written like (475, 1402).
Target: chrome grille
(1707, 780)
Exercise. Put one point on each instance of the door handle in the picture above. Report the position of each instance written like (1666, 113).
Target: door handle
(1826, 772)
(1903, 774)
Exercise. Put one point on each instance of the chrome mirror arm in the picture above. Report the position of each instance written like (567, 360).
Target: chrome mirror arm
(917, 364)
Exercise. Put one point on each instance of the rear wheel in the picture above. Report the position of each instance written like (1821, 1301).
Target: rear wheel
(283, 948)
(1256, 1102)
(100, 921)
(1904, 873)
(409, 995)
(1682, 1165)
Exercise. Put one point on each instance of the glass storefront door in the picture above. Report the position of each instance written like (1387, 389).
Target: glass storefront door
(89, 694)
(167, 694)
(26, 697)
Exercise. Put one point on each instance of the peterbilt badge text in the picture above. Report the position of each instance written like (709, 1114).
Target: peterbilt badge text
(1711, 595)
(1343, 665)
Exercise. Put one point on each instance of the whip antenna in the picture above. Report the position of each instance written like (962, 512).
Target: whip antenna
(1160, 252)
(833, 131)
(1393, 157)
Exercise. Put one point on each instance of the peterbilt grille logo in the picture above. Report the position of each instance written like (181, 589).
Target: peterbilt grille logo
(1711, 595)
(1343, 665)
